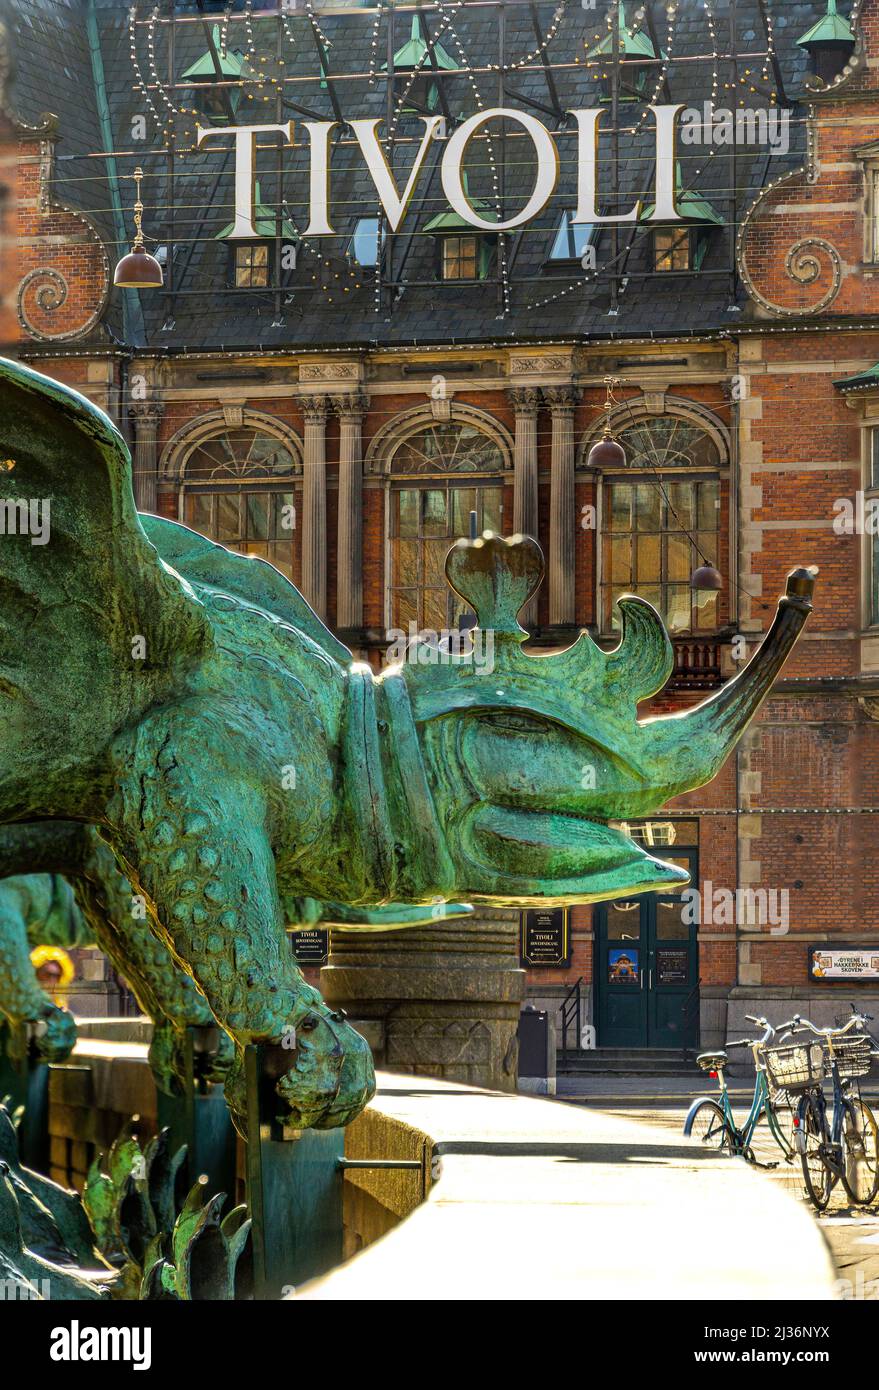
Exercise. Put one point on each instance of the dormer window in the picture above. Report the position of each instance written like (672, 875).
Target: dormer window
(638, 57)
(829, 43)
(574, 243)
(250, 261)
(363, 246)
(218, 104)
(462, 252)
(683, 245)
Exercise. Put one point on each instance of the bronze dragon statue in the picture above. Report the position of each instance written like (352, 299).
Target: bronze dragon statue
(233, 754)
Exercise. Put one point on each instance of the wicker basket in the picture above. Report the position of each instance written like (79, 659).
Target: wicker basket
(797, 1067)
(852, 1057)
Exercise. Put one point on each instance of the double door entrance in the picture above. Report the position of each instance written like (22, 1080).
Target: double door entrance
(647, 970)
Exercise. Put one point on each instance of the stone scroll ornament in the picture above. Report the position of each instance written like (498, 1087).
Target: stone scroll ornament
(188, 702)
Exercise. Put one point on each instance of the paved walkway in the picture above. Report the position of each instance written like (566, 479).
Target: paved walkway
(852, 1233)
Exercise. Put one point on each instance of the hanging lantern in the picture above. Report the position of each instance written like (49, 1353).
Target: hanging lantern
(607, 452)
(138, 270)
(706, 579)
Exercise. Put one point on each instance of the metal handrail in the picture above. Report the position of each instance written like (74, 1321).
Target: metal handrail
(571, 1009)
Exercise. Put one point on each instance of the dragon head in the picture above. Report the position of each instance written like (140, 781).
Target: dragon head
(517, 766)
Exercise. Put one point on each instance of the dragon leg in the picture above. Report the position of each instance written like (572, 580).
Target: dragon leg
(199, 847)
(22, 1000)
(165, 992)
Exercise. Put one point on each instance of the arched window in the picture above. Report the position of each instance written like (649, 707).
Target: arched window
(237, 488)
(661, 521)
(440, 474)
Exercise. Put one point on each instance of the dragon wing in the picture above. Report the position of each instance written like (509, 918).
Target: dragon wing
(79, 584)
(202, 561)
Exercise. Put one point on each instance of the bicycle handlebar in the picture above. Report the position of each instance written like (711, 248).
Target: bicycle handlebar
(856, 1021)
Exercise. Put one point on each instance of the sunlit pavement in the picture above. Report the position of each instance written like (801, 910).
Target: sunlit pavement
(851, 1232)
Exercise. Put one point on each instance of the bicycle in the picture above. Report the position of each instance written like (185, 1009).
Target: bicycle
(845, 1147)
(712, 1121)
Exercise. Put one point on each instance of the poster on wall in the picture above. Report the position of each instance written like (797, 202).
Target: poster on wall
(848, 963)
(622, 967)
(545, 939)
(673, 965)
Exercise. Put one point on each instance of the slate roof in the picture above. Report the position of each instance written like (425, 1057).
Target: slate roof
(328, 299)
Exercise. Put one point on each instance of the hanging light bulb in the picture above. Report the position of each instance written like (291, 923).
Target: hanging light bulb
(607, 452)
(138, 270)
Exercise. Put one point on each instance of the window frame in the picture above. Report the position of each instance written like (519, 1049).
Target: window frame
(251, 247)
(606, 586)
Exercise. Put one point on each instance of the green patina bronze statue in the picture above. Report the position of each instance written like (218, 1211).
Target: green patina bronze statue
(234, 755)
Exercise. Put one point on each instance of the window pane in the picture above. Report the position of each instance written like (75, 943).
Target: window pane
(678, 607)
(463, 503)
(705, 609)
(679, 558)
(405, 608)
(669, 921)
(198, 512)
(648, 507)
(435, 609)
(228, 528)
(493, 509)
(283, 516)
(620, 561)
(258, 516)
(405, 557)
(649, 563)
(681, 505)
(621, 496)
(624, 921)
(433, 513)
(709, 506)
(407, 513)
(435, 553)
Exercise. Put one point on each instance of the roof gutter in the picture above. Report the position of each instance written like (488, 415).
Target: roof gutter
(132, 314)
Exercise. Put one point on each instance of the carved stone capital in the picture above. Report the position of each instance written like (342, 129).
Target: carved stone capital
(351, 405)
(315, 408)
(561, 399)
(525, 400)
(147, 413)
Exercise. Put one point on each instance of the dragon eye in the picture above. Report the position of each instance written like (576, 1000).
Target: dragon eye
(309, 1023)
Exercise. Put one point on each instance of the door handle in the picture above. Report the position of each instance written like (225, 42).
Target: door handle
(650, 986)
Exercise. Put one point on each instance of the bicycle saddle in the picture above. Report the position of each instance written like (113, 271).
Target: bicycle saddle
(711, 1061)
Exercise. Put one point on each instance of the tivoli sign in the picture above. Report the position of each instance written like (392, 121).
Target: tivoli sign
(395, 202)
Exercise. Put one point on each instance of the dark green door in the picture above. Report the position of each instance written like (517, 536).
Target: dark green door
(647, 971)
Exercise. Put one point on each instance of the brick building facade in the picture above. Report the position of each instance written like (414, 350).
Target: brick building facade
(383, 410)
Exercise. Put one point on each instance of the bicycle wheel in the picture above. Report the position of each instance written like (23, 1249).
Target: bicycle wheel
(817, 1176)
(860, 1152)
(711, 1128)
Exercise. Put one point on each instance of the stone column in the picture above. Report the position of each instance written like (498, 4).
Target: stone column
(562, 520)
(440, 1001)
(146, 416)
(314, 503)
(349, 582)
(526, 404)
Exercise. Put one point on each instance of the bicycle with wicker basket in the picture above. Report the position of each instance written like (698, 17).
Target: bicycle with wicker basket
(712, 1121)
(842, 1145)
